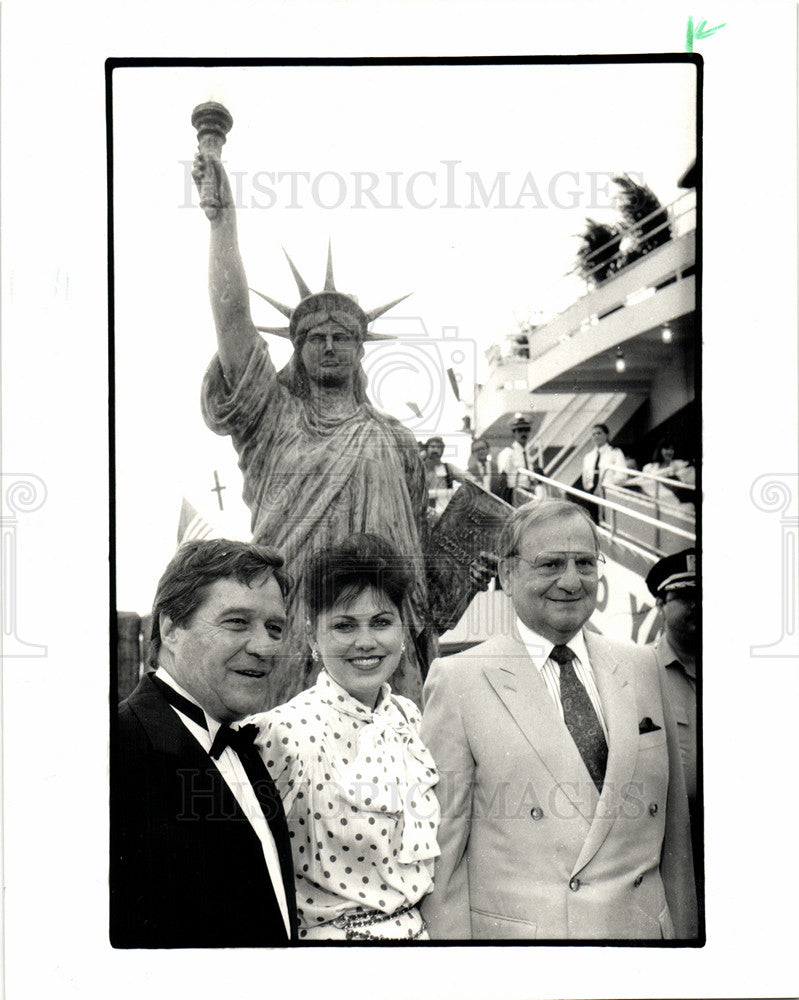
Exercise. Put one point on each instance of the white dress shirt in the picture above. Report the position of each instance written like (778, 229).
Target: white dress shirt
(607, 477)
(437, 488)
(540, 649)
(510, 460)
(232, 770)
(486, 470)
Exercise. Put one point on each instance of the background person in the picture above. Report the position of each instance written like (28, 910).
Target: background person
(515, 456)
(563, 804)
(356, 780)
(200, 853)
(483, 469)
(665, 465)
(599, 458)
(672, 582)
(442, 477)
(597, 471)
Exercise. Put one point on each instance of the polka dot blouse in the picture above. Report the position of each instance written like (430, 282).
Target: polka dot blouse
(357, 788)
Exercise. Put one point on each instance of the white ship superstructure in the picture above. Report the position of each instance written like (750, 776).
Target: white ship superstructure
(620, 352)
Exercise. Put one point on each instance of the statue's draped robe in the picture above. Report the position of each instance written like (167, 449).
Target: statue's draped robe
(311, 480)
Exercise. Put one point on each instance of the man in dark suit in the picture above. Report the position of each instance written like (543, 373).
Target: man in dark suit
(200, 852)
(483, 469)
(563, 805)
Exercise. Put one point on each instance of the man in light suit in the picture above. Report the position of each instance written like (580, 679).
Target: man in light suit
(564, 813)
(200, 851)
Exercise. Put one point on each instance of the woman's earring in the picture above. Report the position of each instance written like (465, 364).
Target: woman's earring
(314, 654)
(402, 648)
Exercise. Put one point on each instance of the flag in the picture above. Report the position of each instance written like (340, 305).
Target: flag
(191, 524)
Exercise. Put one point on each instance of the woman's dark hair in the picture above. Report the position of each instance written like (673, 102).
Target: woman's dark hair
(345, 570)
(601, 427)
(666, 442)
(196, 566)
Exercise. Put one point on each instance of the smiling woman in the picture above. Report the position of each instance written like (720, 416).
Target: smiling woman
(355, 779)
(360, 643)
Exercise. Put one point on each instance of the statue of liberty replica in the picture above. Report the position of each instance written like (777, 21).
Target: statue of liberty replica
(319, 461)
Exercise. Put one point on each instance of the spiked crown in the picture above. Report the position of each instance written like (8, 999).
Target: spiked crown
(326, 303)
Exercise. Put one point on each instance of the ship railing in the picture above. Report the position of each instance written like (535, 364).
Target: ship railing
(680, 220)
(648, 525)
(633, 475)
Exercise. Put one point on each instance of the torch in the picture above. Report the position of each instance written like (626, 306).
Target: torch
(213, 121)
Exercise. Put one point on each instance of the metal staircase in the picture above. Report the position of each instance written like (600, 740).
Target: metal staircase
(568, 430)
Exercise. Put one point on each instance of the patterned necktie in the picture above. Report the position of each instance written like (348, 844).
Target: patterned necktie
(580, 717)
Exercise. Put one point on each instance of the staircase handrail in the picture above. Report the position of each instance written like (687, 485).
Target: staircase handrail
(567, 450)
(636, 474)
(609, 504)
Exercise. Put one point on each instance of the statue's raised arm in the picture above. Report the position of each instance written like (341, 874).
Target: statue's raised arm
(227, 282)
(319, 462)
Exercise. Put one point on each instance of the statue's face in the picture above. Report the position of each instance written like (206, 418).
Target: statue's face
(331, 354)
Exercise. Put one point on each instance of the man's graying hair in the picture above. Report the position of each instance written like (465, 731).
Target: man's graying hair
(536, 512)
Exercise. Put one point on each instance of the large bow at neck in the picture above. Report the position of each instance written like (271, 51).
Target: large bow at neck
(393, 773)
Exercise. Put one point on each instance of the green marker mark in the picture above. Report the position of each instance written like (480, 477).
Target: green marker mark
(697, 34)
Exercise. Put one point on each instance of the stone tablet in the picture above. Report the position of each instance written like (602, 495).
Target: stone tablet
(470, 524)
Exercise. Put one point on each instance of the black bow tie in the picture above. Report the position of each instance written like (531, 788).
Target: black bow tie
(240, 740)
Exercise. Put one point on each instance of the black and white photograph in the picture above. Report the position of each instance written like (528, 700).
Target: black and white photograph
(469, 437)
(410, 517)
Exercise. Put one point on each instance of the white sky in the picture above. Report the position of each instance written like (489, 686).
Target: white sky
(555, 132)
(54, 386)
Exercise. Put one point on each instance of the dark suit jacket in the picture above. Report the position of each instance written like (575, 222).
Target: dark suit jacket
(499, 481)
(187, 868)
